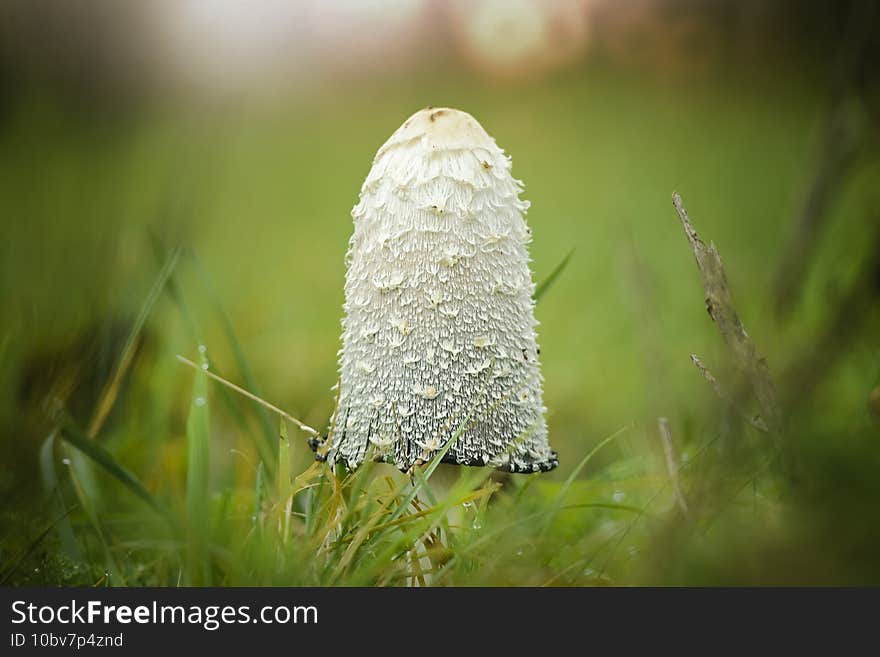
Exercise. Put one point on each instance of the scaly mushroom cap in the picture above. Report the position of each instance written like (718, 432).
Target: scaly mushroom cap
(439, 327)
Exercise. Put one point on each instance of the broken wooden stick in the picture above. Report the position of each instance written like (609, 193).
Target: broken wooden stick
(719, 304)
(724, 396)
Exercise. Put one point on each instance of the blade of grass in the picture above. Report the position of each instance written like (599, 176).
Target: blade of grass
(175, 290)
(194, 332)
(111, 390)
(110, 569)
(364, 530)
(72, 435)
(415, 515)
(197, 449)
(313, 503)
(258, 496)
(563, 491)
(426, 475)
(354, 486)
(419, 523)
(541, 290)
(487, 537)
(644, 509)
(415, 524)
(432, 500)
(437, 513)
(241, 362)
(52, 486)
(197, 470)
(284, 483)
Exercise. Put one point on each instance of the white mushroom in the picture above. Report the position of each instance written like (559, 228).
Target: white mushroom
(439, 317)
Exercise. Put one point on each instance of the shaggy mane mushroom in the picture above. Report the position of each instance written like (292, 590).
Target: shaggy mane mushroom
(439, 327)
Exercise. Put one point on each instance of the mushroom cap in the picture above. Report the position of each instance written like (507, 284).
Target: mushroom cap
(441, 128)
(439, 328)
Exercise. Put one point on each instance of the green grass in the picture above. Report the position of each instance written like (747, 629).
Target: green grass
(138, 238)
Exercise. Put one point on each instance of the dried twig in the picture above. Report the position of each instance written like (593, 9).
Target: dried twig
(709, 377)
(755, 421)
(671, 463)
(719, 303)
(229, 384)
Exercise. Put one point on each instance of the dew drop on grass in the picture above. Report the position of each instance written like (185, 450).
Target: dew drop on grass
(202, 349)
(200, 401)
(65, 461)
(618, 496)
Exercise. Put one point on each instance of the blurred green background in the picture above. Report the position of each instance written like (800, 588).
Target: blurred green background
(120, 144)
